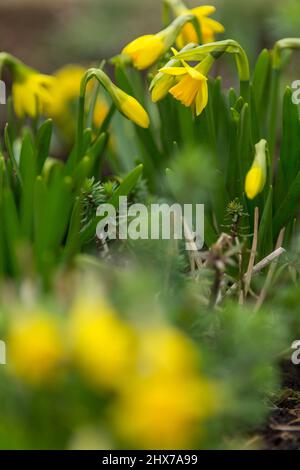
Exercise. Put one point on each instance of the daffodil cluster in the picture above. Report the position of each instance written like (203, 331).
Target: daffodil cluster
(161, 398)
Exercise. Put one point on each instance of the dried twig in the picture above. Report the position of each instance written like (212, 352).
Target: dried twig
(258, 268)
(270, 274)
(249, 272)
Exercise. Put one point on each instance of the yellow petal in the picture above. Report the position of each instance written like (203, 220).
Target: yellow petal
(193, 72)
(254, 183)
(137, 44)
(134, 111)
(173, 70)
(202, 98)
(161, 88)
(205, 10)
(214, 25)
(145, 50)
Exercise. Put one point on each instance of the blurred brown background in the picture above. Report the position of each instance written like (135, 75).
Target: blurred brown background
(47, 33)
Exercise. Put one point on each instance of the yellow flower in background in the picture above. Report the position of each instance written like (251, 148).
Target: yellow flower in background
(145, 50)
(66, 90)
(191, 89)
(31, 93)
(208, 27)
(164, 412)
(103, 346)
(168, 351)
(100, 112)
(35, 348)
(257, 175)
(167, 402)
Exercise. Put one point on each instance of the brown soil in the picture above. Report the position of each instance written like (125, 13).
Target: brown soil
(283, 428)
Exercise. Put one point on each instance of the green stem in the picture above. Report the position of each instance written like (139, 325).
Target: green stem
(275, 83)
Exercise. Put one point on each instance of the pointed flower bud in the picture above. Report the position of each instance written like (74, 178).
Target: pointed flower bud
(257, 175)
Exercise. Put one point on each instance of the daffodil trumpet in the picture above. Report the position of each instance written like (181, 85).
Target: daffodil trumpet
(145, 50)
(217, 49)
(127, 105)
(257, 175)
(203, 26)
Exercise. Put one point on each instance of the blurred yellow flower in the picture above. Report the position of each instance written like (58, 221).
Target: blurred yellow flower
(35, 348)
(66, 90)
(167, 402)
(191, 89)
(145, 50)
(168, 351)
(257, 175)
(103, 346)
(100, 112)
(31, 93)
(208, 27)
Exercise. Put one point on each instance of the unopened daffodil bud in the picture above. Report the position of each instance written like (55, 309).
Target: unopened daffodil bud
(126, 104)
(130, 108)
(146, 50)
(257, 175)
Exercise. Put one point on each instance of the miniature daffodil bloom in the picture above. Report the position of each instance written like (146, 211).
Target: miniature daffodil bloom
(191, 88)
(257, 175)
(103, 346)
(208, 27)
(35, 348)
(162, 83)
(146, 50)
(31, 92)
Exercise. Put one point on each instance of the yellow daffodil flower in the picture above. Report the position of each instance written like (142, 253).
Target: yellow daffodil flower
(35, 348)
(208, 27)
(257, 175)
(191, 88)
(146, 50)
(31, 92)
(165, 405)
(103, 346)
